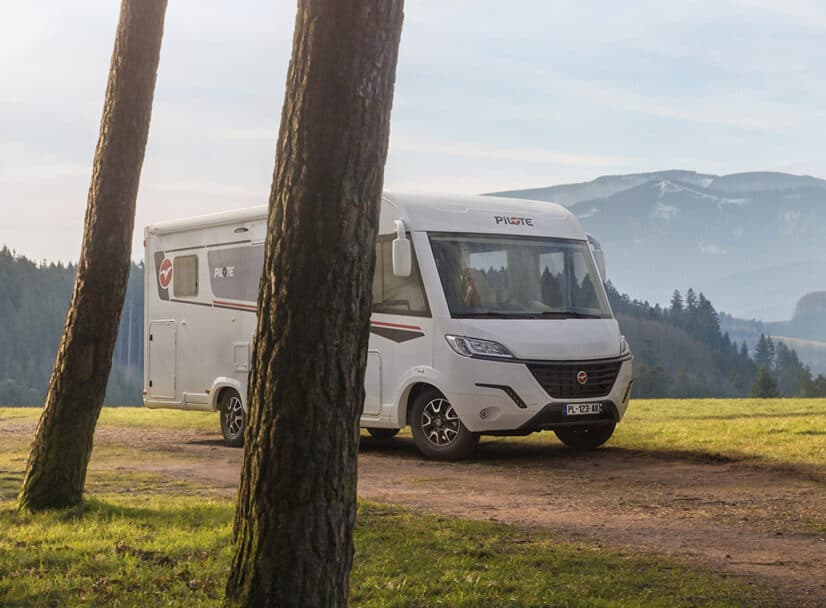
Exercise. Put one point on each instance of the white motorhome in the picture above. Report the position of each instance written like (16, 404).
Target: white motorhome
(489, 318)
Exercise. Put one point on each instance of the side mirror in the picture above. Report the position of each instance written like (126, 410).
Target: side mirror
(402, 253)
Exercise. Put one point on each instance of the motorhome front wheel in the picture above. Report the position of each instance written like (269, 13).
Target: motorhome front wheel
(233, 418)
(437, 430)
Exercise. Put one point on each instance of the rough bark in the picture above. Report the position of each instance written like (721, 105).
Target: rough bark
(56, 469)
(297, 501)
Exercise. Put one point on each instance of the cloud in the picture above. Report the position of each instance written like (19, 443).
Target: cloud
(487, 98)
(492, 151)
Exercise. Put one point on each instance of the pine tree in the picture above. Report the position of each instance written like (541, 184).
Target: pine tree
(293, 533)
(690, 300)
(763, 354)
(676, 309)
(765, 386)
(56, 470)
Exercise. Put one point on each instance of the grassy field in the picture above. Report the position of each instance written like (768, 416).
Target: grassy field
(770, 431)
(142, 540)
(773, 432)
(781, 431)
(784, 431)
(172, 550)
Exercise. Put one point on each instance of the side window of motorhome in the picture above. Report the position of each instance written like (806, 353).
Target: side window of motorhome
(396, 295)
(185, 276)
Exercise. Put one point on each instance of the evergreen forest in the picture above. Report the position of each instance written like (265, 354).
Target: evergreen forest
(680, 350)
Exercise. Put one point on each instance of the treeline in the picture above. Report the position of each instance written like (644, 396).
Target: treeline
(681, 352)
(34, 299)
(680, 349)
(781, 373)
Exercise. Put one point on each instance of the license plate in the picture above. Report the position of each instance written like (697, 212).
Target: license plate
(581, 409)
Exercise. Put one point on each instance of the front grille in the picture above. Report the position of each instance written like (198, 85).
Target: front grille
(560, 379)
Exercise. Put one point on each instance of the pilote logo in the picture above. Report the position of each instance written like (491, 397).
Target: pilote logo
(513, 221)
(582, 377)
(165, 273)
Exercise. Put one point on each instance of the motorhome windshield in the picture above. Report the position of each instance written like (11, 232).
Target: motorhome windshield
(496, 276)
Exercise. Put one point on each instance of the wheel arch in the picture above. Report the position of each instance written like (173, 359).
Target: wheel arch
(411, 393)
(219, 386)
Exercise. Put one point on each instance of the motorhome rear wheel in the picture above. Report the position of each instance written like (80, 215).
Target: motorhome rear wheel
(233, 418)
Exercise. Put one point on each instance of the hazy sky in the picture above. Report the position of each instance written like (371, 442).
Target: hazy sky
(489, 96)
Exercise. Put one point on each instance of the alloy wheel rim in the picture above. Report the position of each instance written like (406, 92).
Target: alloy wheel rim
(235, 416)
(440, 423)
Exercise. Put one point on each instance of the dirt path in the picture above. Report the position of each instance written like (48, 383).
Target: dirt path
(730, 516)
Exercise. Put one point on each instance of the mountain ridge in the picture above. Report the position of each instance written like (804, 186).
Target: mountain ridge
(749, 240)
(606, 185)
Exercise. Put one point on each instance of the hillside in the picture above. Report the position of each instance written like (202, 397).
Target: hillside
(805, 332)
(681, 350)
(751, 240)
(33, 303)
(679, 353)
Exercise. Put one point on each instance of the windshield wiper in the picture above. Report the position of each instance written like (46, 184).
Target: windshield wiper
(567, 314)
(485, 314)
(548, 314)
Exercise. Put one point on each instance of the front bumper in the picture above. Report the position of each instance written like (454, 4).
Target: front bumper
(505, 397)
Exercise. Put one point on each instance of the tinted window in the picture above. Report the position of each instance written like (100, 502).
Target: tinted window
(185, 276)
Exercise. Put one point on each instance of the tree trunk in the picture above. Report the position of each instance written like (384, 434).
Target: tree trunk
(56, 470)
(297, 501)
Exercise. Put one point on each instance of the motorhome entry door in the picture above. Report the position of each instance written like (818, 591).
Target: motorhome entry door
(162, 359)
(372, 384)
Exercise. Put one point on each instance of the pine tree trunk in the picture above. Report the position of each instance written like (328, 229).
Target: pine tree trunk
(297, 501)
(56, 470)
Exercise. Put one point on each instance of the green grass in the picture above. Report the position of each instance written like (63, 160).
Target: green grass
(789, 433)
(773, 431)
(143, 540)
(174, 550)
(130, 416)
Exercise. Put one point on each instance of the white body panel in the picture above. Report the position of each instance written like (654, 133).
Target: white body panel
(208, 335)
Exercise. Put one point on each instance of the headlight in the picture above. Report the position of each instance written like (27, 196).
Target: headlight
(625, 351)
(474, 347)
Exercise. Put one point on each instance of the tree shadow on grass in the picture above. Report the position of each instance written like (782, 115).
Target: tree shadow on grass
(10, 482)
(210, 442)
(510, 452)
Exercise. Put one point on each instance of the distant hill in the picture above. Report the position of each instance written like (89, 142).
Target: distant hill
(805, 332)
(750, 241)
(682, 352)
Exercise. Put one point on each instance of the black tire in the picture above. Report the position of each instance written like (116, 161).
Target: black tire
(586, 437)
(441, 436)
(383, 434)
(233, 418)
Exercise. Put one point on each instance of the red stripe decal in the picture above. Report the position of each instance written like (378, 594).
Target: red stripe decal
(413, 327)
(236, 305)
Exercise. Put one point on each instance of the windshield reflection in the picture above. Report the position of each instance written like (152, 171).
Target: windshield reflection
(496, 276)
